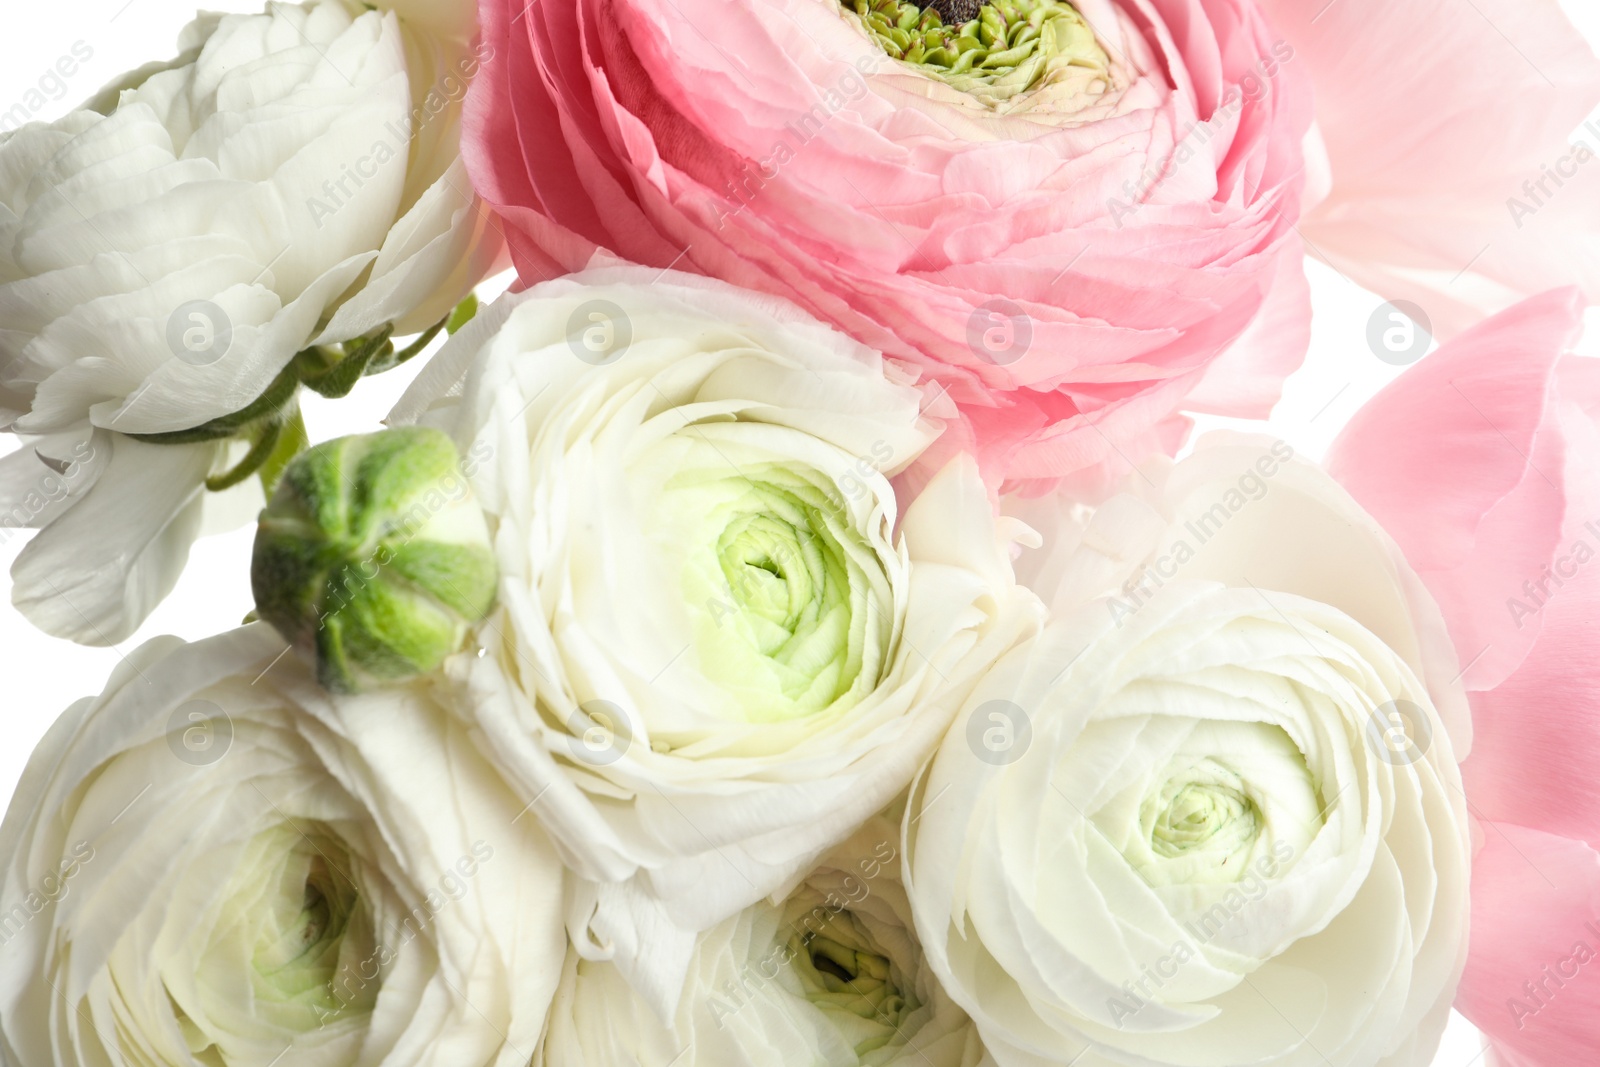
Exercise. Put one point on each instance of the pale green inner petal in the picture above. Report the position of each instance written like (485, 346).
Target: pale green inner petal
(790, 602)
(1009, 47)
(1226, 798)
(1205, 807)
(294, 949)
(299, 943)
(851, 979)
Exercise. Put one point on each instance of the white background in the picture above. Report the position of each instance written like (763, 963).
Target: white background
(43, 675)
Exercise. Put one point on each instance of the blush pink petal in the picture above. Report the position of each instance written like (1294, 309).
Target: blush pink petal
(1481, 462)
(1540, 729)
(1535, 912)
(1247, 380)
(1441, 458)
(1434, 113)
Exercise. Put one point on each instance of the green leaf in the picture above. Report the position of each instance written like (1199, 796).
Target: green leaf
(337, 380)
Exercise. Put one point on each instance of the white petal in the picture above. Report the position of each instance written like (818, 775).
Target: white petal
(94, 574)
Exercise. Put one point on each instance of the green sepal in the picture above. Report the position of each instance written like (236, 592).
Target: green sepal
(462, 314)
(269, 403)
(333, 370)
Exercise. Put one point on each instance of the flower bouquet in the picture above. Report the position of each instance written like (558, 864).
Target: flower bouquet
(843, 583)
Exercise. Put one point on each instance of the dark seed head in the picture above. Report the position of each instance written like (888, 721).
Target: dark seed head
(954, 12)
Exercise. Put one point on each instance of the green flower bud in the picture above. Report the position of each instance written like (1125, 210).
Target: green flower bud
(373, 556)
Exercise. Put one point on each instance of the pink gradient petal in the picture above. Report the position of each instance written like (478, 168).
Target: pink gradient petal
(1435, 112)
(1441, 458)
(1535, 911)
(1247, 379)
(1539, 731)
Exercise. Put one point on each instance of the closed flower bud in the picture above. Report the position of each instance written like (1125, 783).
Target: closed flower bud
(373, 556)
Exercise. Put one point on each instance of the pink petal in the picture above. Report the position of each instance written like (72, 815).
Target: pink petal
(1434, 113)
(1247, 379)
(1532, 982)
(685, 133)
(1456, 458)
(1538, 733)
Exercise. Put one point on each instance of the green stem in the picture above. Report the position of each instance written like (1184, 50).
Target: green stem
(272, 422)
(392, 359)
(291, 442)
(266, 441)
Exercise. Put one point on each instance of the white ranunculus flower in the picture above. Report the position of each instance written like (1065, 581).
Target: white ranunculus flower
(216, 863)
(1212, 816)
(290, 182)
(828, 974)
(721, 643)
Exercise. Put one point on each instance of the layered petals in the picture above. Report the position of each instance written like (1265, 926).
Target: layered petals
(1212, 814)
(1065, 262)
(723, 639)
(214, 861)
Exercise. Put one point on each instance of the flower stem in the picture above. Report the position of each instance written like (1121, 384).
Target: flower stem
(266, 443)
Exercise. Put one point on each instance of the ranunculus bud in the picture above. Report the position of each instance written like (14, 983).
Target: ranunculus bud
(373, 557)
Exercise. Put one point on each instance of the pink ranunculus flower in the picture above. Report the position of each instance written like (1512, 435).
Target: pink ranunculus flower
(1070, 219)
(1481, 462)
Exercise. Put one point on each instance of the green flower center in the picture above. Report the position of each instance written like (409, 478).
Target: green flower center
(995, 51)
(845, 973)
(1205, 808)
(788, 578)
(306, 937)
(291, 951)
(794, 602)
